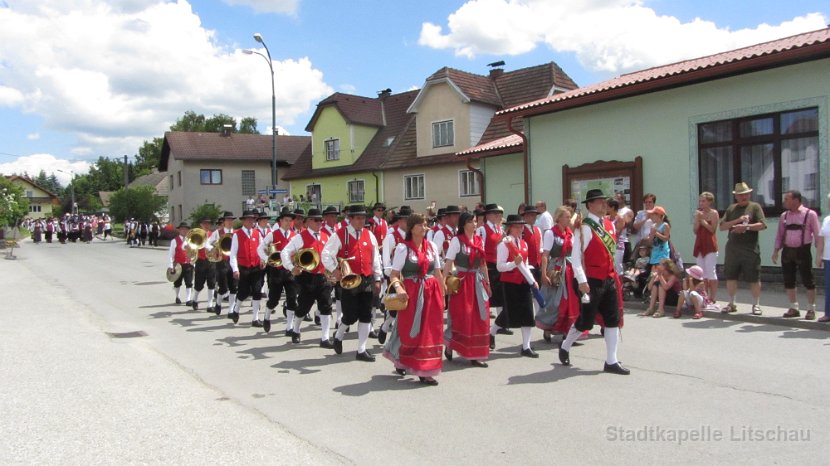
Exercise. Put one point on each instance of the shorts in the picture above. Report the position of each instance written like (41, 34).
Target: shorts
(691, 297)
(798, 259)
(742, 262)
(709, 264)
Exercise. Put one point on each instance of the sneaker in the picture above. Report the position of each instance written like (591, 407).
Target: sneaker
(756, 310)
(791, 313)
(729, 308)
(810, 315)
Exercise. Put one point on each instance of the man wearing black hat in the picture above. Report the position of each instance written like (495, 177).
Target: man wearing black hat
(330, 214)
(446, 232)
(224, 275)
(439, 222)
(312, 282)
(396, 236)
(594, 272)
(299, 220)
(246, 265)
(377, 224)
(491, 233)
(279, 278)
(177, 254)
(356, 246)
(204, 270)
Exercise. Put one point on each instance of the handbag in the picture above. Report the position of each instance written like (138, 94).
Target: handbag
(394, 301)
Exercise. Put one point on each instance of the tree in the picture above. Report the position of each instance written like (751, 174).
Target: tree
(13, 204)
(140, 202)
(248, 126)
(149, 155)
(49, 183)
(211, 211)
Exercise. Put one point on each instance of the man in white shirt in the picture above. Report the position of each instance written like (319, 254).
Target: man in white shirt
(545, 220)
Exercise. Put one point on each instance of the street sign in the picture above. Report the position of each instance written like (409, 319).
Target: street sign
(273, 191)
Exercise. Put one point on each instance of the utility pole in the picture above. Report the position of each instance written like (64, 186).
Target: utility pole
(126, 173)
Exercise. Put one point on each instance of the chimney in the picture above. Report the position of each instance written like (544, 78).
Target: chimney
(382, 95)
(496, 69)
(226, 130)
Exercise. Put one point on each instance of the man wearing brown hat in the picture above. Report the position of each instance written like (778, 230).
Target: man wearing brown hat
(743, 220)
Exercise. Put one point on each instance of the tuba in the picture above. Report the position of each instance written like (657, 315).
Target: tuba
(307, 259)
(274, 259)
(452, 281)
(348, 279)
(195, 241)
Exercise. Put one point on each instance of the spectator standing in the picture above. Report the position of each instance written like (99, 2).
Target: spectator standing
(545, 220)
(642, 224)
(797, 229)
(625, 217)
(706, 242)
(823, 258)
(743, 220)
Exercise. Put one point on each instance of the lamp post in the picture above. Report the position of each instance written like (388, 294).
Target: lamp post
(258, 38)
(71, 186)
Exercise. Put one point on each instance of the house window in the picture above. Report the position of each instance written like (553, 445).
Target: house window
(468, 183)
(333, 149)
(34, 207)
(772, 153)
(171, 182)
(356, 191)
(210, 176)
(248, 182)
(29, 194)
(179, 176)
(413, 187)
(442, 134)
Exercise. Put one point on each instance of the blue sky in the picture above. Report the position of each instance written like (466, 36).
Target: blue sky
(81, 79)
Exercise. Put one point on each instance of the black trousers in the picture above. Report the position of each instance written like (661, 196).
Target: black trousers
(279, 279)
(603, 301)
(224, 277)
(497, 300)
(205, 271)
(798, 259)
(186, 276)
(518, 306)
(357, 302)
(313, 287)
(250, 283)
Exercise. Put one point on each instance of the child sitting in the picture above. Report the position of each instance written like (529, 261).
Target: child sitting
(694, 293)
(665, 288)
(636, 276)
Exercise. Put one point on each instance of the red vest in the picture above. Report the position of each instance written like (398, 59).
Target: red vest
(534, 241)
(180, 256)
(397, 235)
(514, 276)
(279, 240)
(360, 251)
(379, 228)
(310, 242)
(492, 238)
(448, 235)
(203, 251)
(246, 255)
(343, 224)
(597, 261)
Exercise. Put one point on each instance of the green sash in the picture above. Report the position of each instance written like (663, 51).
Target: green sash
(604, 236)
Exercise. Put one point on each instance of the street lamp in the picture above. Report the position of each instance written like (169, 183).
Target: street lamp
(258, 38)
(71, 186)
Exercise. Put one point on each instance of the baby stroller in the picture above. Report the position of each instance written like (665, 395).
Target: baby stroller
(636, 273)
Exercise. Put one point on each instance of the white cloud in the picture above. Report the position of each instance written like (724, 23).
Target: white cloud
(288, 7)
(33, 164)
(33, 136)
(115, 75)
(605, 35)
(348, 88)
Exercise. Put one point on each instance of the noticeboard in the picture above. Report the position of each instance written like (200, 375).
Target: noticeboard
(611, 177)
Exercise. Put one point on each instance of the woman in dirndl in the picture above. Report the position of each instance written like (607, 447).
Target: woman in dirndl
(416, 342)
(561, 304)
(469, 309)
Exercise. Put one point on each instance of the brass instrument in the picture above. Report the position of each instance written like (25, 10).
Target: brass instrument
(192, 254)
(274, 258)
(452, 281)
(348, 279)
(221, 248)
(307, 259)
(196, 239)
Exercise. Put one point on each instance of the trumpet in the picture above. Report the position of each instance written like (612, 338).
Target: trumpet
(274, 258)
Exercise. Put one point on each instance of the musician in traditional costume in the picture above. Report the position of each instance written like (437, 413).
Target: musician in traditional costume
(356, 246)
(299, 220)
(439, 222)
(330, 226)
(247, 266)
(593, 264)
(445, 233)
(491, 234)
(396, 235)
(204, 270)
(532, 235)
(469, 309)
(279, 278)
(313, 285)
(225, 281)
(415, 344)
(177, 254)
(517, 281)
(379, 227)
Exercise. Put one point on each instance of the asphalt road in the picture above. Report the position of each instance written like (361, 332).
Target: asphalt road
(197, 389)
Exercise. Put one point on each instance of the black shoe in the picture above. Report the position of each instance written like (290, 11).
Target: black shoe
(189, 304)
(492, 342)
(316, 320)
(234, 316)
(401, 372)
(307, 318)
(373, 334)
(616, 368)
(178, 301)
(547, 336)
(504, 331)
(289, 332)
(564, 357)
(326, 344)
(266, 325)
(194, 305)
(448, 354)
(338, 346)
(256, 324)
(476, 363)
(529, 353)
(427, 381)
(217, 308)
(381, 336)
(295, 337)
(365, 356)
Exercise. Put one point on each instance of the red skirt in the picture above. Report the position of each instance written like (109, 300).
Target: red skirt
(421, 354)
(568, 307)
(470, 333)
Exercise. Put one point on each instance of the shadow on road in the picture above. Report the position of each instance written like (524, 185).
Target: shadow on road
(379, 383)
(554, 375)
(710, 323)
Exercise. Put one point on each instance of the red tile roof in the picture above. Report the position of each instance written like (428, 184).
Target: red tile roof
(237, 146)
(506, 145)
(802, 47)
(354, 108)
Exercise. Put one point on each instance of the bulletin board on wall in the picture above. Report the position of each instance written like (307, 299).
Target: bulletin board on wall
(609, 176)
